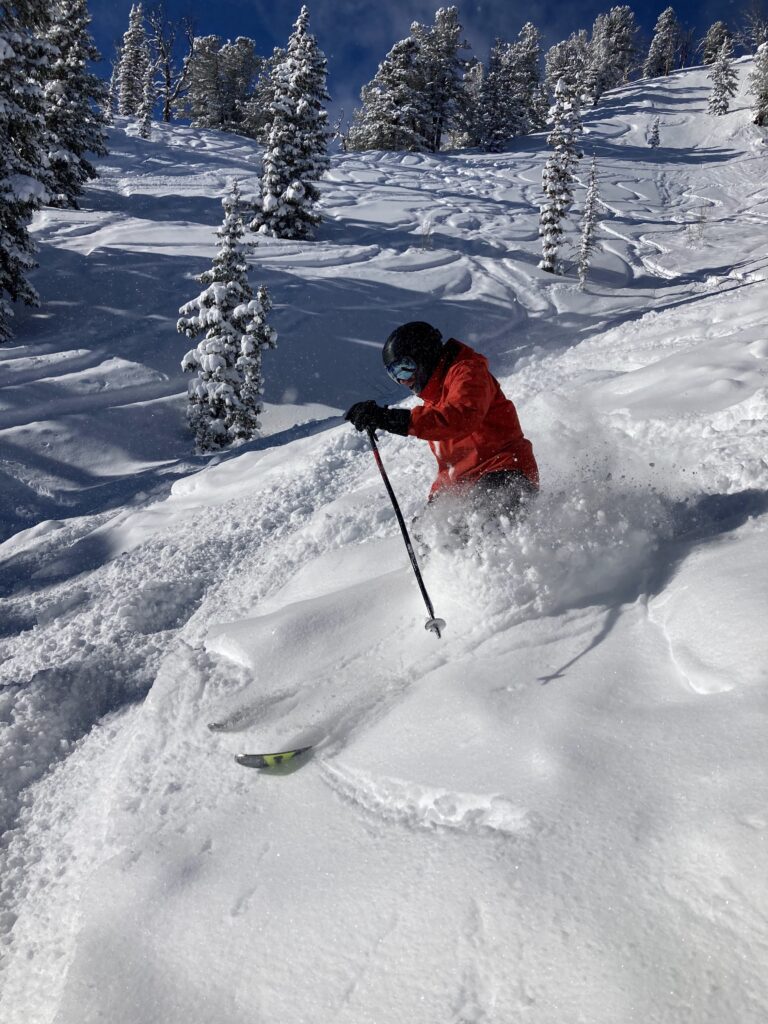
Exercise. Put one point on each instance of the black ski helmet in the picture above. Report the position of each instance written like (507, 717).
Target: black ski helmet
(419, 341)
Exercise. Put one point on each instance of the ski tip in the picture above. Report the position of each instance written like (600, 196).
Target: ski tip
(270, 760)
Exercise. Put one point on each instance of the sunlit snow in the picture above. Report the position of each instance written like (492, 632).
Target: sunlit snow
(556, 813)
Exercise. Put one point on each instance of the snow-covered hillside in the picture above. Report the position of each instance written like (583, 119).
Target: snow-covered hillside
(554, 814)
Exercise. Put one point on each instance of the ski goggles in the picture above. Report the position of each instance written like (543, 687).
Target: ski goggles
(402, 370)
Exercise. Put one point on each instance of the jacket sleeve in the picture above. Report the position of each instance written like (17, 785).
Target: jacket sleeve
(463, 406)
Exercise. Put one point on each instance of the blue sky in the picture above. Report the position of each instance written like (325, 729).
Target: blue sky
(356, 34)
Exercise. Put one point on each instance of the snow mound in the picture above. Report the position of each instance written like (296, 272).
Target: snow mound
(714, 615)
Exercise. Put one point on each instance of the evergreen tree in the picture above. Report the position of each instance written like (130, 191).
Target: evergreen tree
(304, 70)
(599, 70)
(25, 180)
(653, 137)
(201, 103)
(468, 130)
(611, 51)
(622, 31)
(394, 114)
(524, 59)
(239, 64)
(754, 30)
(225, 398)
(758, 86)
(511, 105)
(257, 112)
(541, 106)
(296, 155)
(664, 46)
(73, 100)
(497, 122)
(569, 60)
(441, 70)
(146, 109)
(134, 60)
(558, 175)
(712, 42)
(589, 224)
(220, 78)
(724, 80)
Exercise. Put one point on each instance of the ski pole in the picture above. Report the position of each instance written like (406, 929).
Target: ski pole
(433, 624)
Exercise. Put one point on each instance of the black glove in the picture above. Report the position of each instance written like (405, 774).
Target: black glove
(370, 415)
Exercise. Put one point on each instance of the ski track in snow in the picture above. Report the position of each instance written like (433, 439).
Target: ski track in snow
(552, 813)
(399, 801)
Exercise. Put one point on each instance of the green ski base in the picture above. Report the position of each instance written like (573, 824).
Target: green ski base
(269, 760)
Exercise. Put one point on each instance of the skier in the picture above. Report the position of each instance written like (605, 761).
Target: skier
(471, 426)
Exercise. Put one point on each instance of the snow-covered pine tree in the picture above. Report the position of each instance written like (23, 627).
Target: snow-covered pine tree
(510, 102)
(653, 135)
(622, 31)
(220, 82)
(664, 47)
(394, 114)
(611, 51)
(25, 181)
(724, 79)
(74, 98)
(257, 113)
(569, 60)
(495, 125)
(599, 69)
(134, 59)
(589, 224)
(441, 70)
(710, 45)
(145, 111)
(239, 65)
(541, 105)
(296, 154)
(524, 77)
(754, 27)
(225, 398)
(558, 176)
(202, 101)
(758, 86)
(469, 117)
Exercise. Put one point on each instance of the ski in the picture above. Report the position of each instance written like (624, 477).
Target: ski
(270, 760)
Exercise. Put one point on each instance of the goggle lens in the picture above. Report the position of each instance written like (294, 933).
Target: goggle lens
(403, 370)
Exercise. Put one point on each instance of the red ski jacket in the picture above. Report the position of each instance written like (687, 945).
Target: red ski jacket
(471, 427)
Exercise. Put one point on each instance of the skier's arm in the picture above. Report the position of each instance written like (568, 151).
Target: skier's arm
(463, 409)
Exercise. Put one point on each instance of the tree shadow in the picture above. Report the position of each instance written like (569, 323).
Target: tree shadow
(193, 210)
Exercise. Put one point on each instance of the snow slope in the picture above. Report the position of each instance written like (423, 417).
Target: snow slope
(556, 812)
